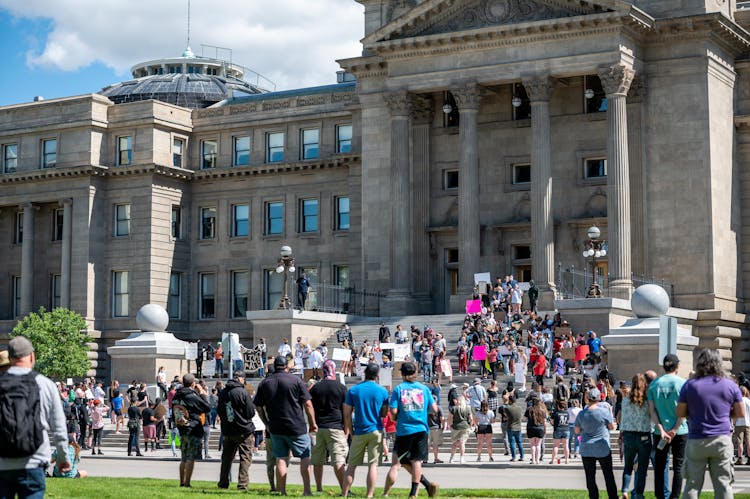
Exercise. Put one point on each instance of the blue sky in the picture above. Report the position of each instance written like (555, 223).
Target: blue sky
(59, 48)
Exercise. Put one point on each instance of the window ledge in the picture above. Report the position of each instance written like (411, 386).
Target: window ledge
(238, 239)
(309, 235)
(592, 181)
(518, 187)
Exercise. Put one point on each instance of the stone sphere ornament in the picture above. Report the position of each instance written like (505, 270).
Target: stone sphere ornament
(152, 318)
(649, 300)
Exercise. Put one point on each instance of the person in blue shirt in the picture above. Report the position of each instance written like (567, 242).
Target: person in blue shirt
(368, 401)
(595, 344)
(410, 403)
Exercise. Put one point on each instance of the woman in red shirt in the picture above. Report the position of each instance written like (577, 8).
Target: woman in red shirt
(540, 368)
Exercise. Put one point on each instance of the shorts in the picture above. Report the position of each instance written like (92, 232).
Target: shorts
(117, 412)
(371, 442)
(333, 441)
(459, 435)
(298, 445)
(742, 434)
(191, 448)
(534, 433)
(149, 432)
(412, 447)
(484, 429)
(436, 437)
(561, 433)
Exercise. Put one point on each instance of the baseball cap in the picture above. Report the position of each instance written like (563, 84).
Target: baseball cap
(239, 374)
(280, 362)
(19, 347)
(465, 385)
(595, 394)
(477, 381)
(407, 369)
(670, 361)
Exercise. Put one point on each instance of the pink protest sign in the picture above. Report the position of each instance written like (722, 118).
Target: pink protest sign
(479, 352)
(473, 307)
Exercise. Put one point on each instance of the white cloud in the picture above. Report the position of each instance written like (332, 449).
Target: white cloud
(292, 42)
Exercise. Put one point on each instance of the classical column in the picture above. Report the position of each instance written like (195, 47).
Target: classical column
(468, 98)
(616, 82)
(421, 118)
(27, 259)
(539, 89)
(67, 241)
(399, 106)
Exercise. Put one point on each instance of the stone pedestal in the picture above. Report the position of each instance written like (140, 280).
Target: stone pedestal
(141, 354)
(634, 348)
(597, 314)
(275, 325)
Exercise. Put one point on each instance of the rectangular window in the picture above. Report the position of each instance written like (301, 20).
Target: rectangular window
(241, 151)
(521, 252)
(342, 213)
(124, 150)
(208, 223)
(18, 229)
(49, 153)
(16, 296)
(344, 138)
(451, 255)
(239, 293)
(209, 148)
(173, 300)
(58, 218)
(595, 168)
(522, 173)
(10, 158)
(274, 218)
(450, 180)
(120, 293)
(207, 296)
(176, 221)
(521, 103)
(275, 147)
(55, 291)
(309, 215)
(593, 95)
(341, 275)
(240, 220)
(274, 284)
(122, 220)
(178, 148)
(310, 143)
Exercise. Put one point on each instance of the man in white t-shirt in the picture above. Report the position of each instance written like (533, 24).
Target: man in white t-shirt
(284, 348)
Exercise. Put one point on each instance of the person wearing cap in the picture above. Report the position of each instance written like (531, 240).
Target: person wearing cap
(709, 401)
(194, 399)
(25, 475)
(477, 394)
(328, 396)
(236, 410)
(368, 401)
(593, 425)
(282, 400)
(409, 405)
(670, 430)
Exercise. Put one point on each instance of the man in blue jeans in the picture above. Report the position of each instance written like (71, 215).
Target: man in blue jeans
(24, 475)
(514, 414)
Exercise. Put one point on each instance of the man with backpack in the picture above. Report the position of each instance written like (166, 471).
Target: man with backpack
(25, 441)
(236, 410)
(189, 406)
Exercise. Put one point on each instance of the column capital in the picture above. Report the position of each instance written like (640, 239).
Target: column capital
(421, 109)
(398, 103)
(616, 79)
(539, 88)
(27, 205)
(638, 89)
(468, 96)
(65, 202)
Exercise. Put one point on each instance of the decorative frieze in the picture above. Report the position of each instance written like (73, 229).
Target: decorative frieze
(279, 104)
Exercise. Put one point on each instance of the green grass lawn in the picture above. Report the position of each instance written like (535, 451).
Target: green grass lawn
(137, 488)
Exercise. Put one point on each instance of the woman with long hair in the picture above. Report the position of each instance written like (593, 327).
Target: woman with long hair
(461, 420)
(560, 429)
(346, 364)
(593, 425)
(634, 420)
(113, 387)
(536, 417)
(520, 369)
(485, 418)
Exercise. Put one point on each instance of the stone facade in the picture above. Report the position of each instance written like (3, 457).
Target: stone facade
(433, 196)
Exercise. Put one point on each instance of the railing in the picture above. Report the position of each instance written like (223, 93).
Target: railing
(575, 283)
(344, 300)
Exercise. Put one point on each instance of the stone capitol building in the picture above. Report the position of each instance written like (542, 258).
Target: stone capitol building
(470, 136)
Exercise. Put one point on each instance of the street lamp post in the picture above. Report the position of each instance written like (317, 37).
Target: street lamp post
(286, 263)
(594, 248)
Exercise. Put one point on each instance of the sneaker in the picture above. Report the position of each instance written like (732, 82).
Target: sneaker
(450, 459)
(479, 459)
(463, 461)
(438, 461)
(491, 459)
(432, 490)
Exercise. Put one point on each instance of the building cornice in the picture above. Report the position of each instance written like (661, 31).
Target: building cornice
(365, 67)
(726, 33)
(316, 103)
(338, 161)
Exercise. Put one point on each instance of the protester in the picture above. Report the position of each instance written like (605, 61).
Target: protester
(97, 424)
(134, 417)
(709, 400)
(461, 419)
(536, 417)
(236, 410)
(282, 400)
(560, 429)
(190, 402)
(328, 397)
(436, 423)
(635, 426)
(742, 429)
(368, 401)
(593, 424)
(485, 417)
(25, 440)
(74, 457)
(670, 430)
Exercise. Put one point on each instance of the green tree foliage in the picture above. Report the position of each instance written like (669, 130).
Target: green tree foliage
(60, 342)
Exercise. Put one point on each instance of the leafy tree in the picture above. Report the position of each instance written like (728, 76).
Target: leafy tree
(60, 342)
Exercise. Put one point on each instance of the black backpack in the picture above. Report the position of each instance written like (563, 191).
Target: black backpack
(21, 432)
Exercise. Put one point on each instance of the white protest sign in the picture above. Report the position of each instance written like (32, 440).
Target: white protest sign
(385, 378)
(342, 354)
(191, 351)
(387, 346)
(400, 352)
(482, 277)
